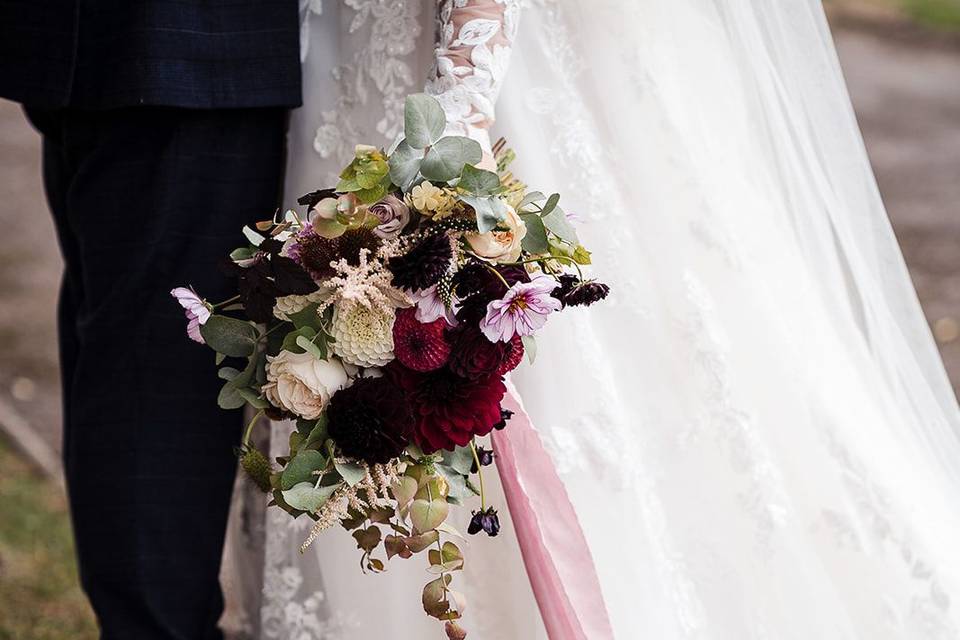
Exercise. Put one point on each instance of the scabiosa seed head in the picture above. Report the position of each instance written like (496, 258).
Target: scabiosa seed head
(424, 264)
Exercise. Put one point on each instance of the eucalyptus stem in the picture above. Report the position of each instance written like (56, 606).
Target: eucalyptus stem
(476, 459)
(249, 429)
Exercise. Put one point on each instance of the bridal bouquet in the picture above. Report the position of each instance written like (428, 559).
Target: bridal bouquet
(382, 319)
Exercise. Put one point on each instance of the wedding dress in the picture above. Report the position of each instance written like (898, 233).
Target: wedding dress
(755, 432)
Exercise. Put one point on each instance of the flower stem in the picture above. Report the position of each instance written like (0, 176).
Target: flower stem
(249, 430)
(564, 258)
(476, 460)
(226, 302)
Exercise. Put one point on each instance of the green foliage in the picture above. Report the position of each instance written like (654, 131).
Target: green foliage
(446, 159)
(423, 120)
(479, 182)
(351, 472)
(367, 175)
(229, 336)
(306, 497)
(491, 211)
(535, 241)
(302, 468)
(405, 165)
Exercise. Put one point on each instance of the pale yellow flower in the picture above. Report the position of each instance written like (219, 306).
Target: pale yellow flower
(427, 197)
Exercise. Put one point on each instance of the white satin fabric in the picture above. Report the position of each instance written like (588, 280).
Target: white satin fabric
(755, 429)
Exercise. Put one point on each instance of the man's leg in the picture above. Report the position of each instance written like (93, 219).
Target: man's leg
(150, 199)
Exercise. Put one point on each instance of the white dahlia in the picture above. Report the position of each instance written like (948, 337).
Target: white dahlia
(289, 305)
(363, 335)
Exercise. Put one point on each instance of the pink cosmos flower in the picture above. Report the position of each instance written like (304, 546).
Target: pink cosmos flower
(197, 312)
(430, 307)
(522, 311)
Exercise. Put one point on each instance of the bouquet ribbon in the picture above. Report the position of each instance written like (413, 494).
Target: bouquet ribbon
(554, 549)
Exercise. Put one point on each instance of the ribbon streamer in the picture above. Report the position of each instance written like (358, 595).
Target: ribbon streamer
(554, 549)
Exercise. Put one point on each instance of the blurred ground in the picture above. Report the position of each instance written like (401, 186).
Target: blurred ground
(38, 577)
(905, 83)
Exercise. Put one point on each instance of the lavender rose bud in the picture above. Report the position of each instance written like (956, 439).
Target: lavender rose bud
(393, 215)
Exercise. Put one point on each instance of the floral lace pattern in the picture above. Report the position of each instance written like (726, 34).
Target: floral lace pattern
(473, 51)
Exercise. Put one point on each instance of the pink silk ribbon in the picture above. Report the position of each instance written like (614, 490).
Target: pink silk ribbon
(555, 552)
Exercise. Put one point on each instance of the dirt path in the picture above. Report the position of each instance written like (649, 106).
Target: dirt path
(907, 95)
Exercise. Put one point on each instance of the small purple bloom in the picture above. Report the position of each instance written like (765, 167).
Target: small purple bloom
(522, 311)
(485, 456)
(196, 310)
(487, 521)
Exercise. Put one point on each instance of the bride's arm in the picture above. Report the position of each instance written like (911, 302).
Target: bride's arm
(472, 56)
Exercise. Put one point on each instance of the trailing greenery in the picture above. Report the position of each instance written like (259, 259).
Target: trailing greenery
(39, 594)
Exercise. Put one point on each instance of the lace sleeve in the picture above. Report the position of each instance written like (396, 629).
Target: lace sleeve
(474, 38)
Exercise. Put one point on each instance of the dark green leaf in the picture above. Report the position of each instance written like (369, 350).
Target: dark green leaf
(535, 241)
(306, 497)
(351, 472)
(229, 336)
(556, 221)
(551, 204)
(306, 317)
(302, 468)
(229, 398)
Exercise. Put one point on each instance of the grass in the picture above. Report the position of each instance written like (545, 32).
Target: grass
(39, 594)
(943, 14)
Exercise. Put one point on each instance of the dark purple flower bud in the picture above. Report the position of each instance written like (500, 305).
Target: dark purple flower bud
(505, 415)
(584, 294)
(485, 456)
(487, 521)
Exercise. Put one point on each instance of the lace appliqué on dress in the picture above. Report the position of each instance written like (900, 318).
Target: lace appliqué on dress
(474, 40)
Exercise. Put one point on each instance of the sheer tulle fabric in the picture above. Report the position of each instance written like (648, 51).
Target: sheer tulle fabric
(762, 442)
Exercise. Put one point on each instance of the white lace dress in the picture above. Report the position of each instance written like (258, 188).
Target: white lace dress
(759, 438)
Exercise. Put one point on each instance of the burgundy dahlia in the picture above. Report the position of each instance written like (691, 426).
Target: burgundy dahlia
(423, 265)
(448, 409)
(475, 356)
(417, 345)
(370, 420)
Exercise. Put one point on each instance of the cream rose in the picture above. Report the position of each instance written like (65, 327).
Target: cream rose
(501, 244)
(302, 384)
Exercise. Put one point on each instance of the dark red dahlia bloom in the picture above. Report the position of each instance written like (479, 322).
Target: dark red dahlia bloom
(370, 420)
(448, 409)
(475, 357)
(420, 346)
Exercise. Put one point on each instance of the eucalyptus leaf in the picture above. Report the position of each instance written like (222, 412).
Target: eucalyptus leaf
(302, 467)
(405, 165)
(252, 398)
(227, 373)
(530, 198)
(229, 398)
(246, 377)
(551, 204)
(428, 514)
(306, 497)
(460, 459)
(490, 211)
(445, 159)
(229, 336)
(316, 347)
(351, 472)
(556, 221)
(479, 182)
(318, 433)
(306, 317)
(535, 241)
(243, 253)
(423, 120)
(290, 340)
